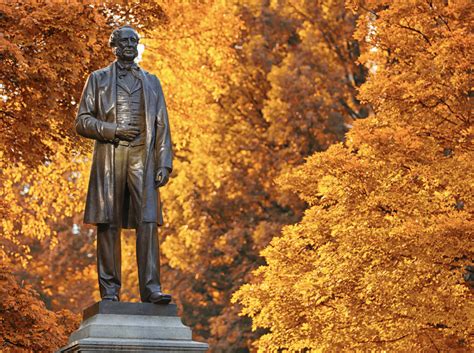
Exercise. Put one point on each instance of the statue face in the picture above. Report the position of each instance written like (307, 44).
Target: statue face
(127, 45)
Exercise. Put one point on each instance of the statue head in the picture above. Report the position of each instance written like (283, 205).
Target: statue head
(124, 43)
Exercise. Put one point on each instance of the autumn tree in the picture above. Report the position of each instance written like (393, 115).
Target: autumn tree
(313, 91)
(377, 261)
(25, 323)
(47, 50)
(248, 98)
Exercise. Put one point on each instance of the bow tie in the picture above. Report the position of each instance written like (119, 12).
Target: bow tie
(124, 69)
(128, 67)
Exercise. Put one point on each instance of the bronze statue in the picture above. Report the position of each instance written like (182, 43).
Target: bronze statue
(123, 108)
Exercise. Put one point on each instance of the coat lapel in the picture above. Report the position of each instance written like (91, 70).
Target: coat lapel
(148, 95)
(108, 93)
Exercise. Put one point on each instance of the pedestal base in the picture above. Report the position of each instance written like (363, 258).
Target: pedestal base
(132, 327)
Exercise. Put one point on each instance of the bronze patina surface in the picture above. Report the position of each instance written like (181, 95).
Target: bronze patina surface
(123, 109)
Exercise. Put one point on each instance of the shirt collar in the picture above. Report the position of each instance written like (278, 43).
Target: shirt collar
(122, 67)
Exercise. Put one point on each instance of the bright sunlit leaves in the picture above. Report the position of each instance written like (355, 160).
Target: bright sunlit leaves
(342, 233)
(378, 260)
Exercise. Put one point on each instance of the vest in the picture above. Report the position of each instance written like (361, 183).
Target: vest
(131, 109)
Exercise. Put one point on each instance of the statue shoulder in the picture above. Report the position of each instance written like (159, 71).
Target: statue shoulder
(102, 72)
(151, 77)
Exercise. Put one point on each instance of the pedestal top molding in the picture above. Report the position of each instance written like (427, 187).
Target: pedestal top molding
(124, 308)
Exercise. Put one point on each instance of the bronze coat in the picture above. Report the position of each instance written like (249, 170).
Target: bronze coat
(96, 119)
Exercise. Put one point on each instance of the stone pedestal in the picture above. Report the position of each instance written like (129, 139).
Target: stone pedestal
(132, 327)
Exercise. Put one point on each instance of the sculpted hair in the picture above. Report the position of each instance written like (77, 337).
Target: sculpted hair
(114, 37)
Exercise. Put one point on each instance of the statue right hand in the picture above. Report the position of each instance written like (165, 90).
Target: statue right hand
(127, 132)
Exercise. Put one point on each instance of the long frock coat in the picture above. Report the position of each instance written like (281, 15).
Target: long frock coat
(96, 119)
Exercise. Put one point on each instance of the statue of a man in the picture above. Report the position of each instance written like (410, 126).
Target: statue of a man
(123, 109)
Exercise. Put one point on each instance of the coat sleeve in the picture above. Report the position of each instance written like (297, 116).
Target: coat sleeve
(163, 145)
(87, 124)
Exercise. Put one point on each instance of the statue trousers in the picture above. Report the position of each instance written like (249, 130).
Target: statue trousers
(129, 174)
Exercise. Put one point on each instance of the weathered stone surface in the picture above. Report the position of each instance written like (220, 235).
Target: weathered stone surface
(132, 327)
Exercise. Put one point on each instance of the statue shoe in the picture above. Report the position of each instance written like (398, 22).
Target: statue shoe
(111, 297)
(159, 298)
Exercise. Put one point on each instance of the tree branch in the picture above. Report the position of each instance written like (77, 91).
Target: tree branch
(425, 37)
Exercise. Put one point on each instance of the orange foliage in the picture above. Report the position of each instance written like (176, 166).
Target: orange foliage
(253, 88)
(377, 262)
(25, 324)
(243, 107)
(47, 50)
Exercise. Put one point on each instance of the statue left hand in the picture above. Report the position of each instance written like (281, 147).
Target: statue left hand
(162, 177)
